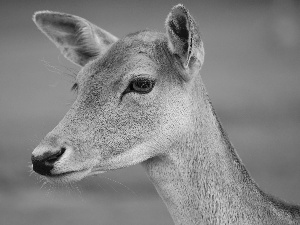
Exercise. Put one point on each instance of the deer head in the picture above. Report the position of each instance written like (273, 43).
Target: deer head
(134, 95)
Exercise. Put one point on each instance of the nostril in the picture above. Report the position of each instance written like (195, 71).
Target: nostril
(44, 163)
(53, 158)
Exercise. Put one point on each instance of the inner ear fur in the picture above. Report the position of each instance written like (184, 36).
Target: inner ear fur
(78, 40)
(184, 39)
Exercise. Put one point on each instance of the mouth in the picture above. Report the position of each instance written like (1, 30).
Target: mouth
(64, 174)
(68, 177)
(95, 171)
(72, 176)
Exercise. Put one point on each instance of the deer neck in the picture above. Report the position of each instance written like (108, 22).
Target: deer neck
(201, 179)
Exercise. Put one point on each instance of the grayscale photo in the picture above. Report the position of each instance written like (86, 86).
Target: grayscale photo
(150, 112)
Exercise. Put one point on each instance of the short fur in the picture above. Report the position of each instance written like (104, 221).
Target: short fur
(173, 130)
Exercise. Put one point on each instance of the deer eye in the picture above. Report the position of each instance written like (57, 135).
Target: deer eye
(140, 85)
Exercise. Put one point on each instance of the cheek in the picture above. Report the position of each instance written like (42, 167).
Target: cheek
(176, 119)
(139, 122)
(167, 118)
(115, 131)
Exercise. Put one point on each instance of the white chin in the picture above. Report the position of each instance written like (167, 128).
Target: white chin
(68, 177)
(95, 172)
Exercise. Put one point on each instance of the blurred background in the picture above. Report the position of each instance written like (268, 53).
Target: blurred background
(251, 70)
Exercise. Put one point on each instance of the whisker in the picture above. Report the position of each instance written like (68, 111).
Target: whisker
(123, 185)
(71, 74)
(70, 69)
(101, 187)
(45, 183)
(134, 195)
(111, 187)
(77, 188)
(52, 68)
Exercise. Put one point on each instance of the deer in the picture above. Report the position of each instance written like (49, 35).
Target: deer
(141, 100)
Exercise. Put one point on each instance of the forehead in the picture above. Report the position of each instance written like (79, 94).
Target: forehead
(142, 42)
(143, 48)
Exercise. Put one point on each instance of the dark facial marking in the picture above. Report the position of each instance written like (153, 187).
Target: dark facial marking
(74, 87)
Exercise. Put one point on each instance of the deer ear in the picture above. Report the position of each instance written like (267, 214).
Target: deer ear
(184, 39)
(78, 40)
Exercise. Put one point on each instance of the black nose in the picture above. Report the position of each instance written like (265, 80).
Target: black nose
(44, 164)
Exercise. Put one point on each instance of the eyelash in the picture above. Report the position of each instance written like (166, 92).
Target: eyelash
(139, 85)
